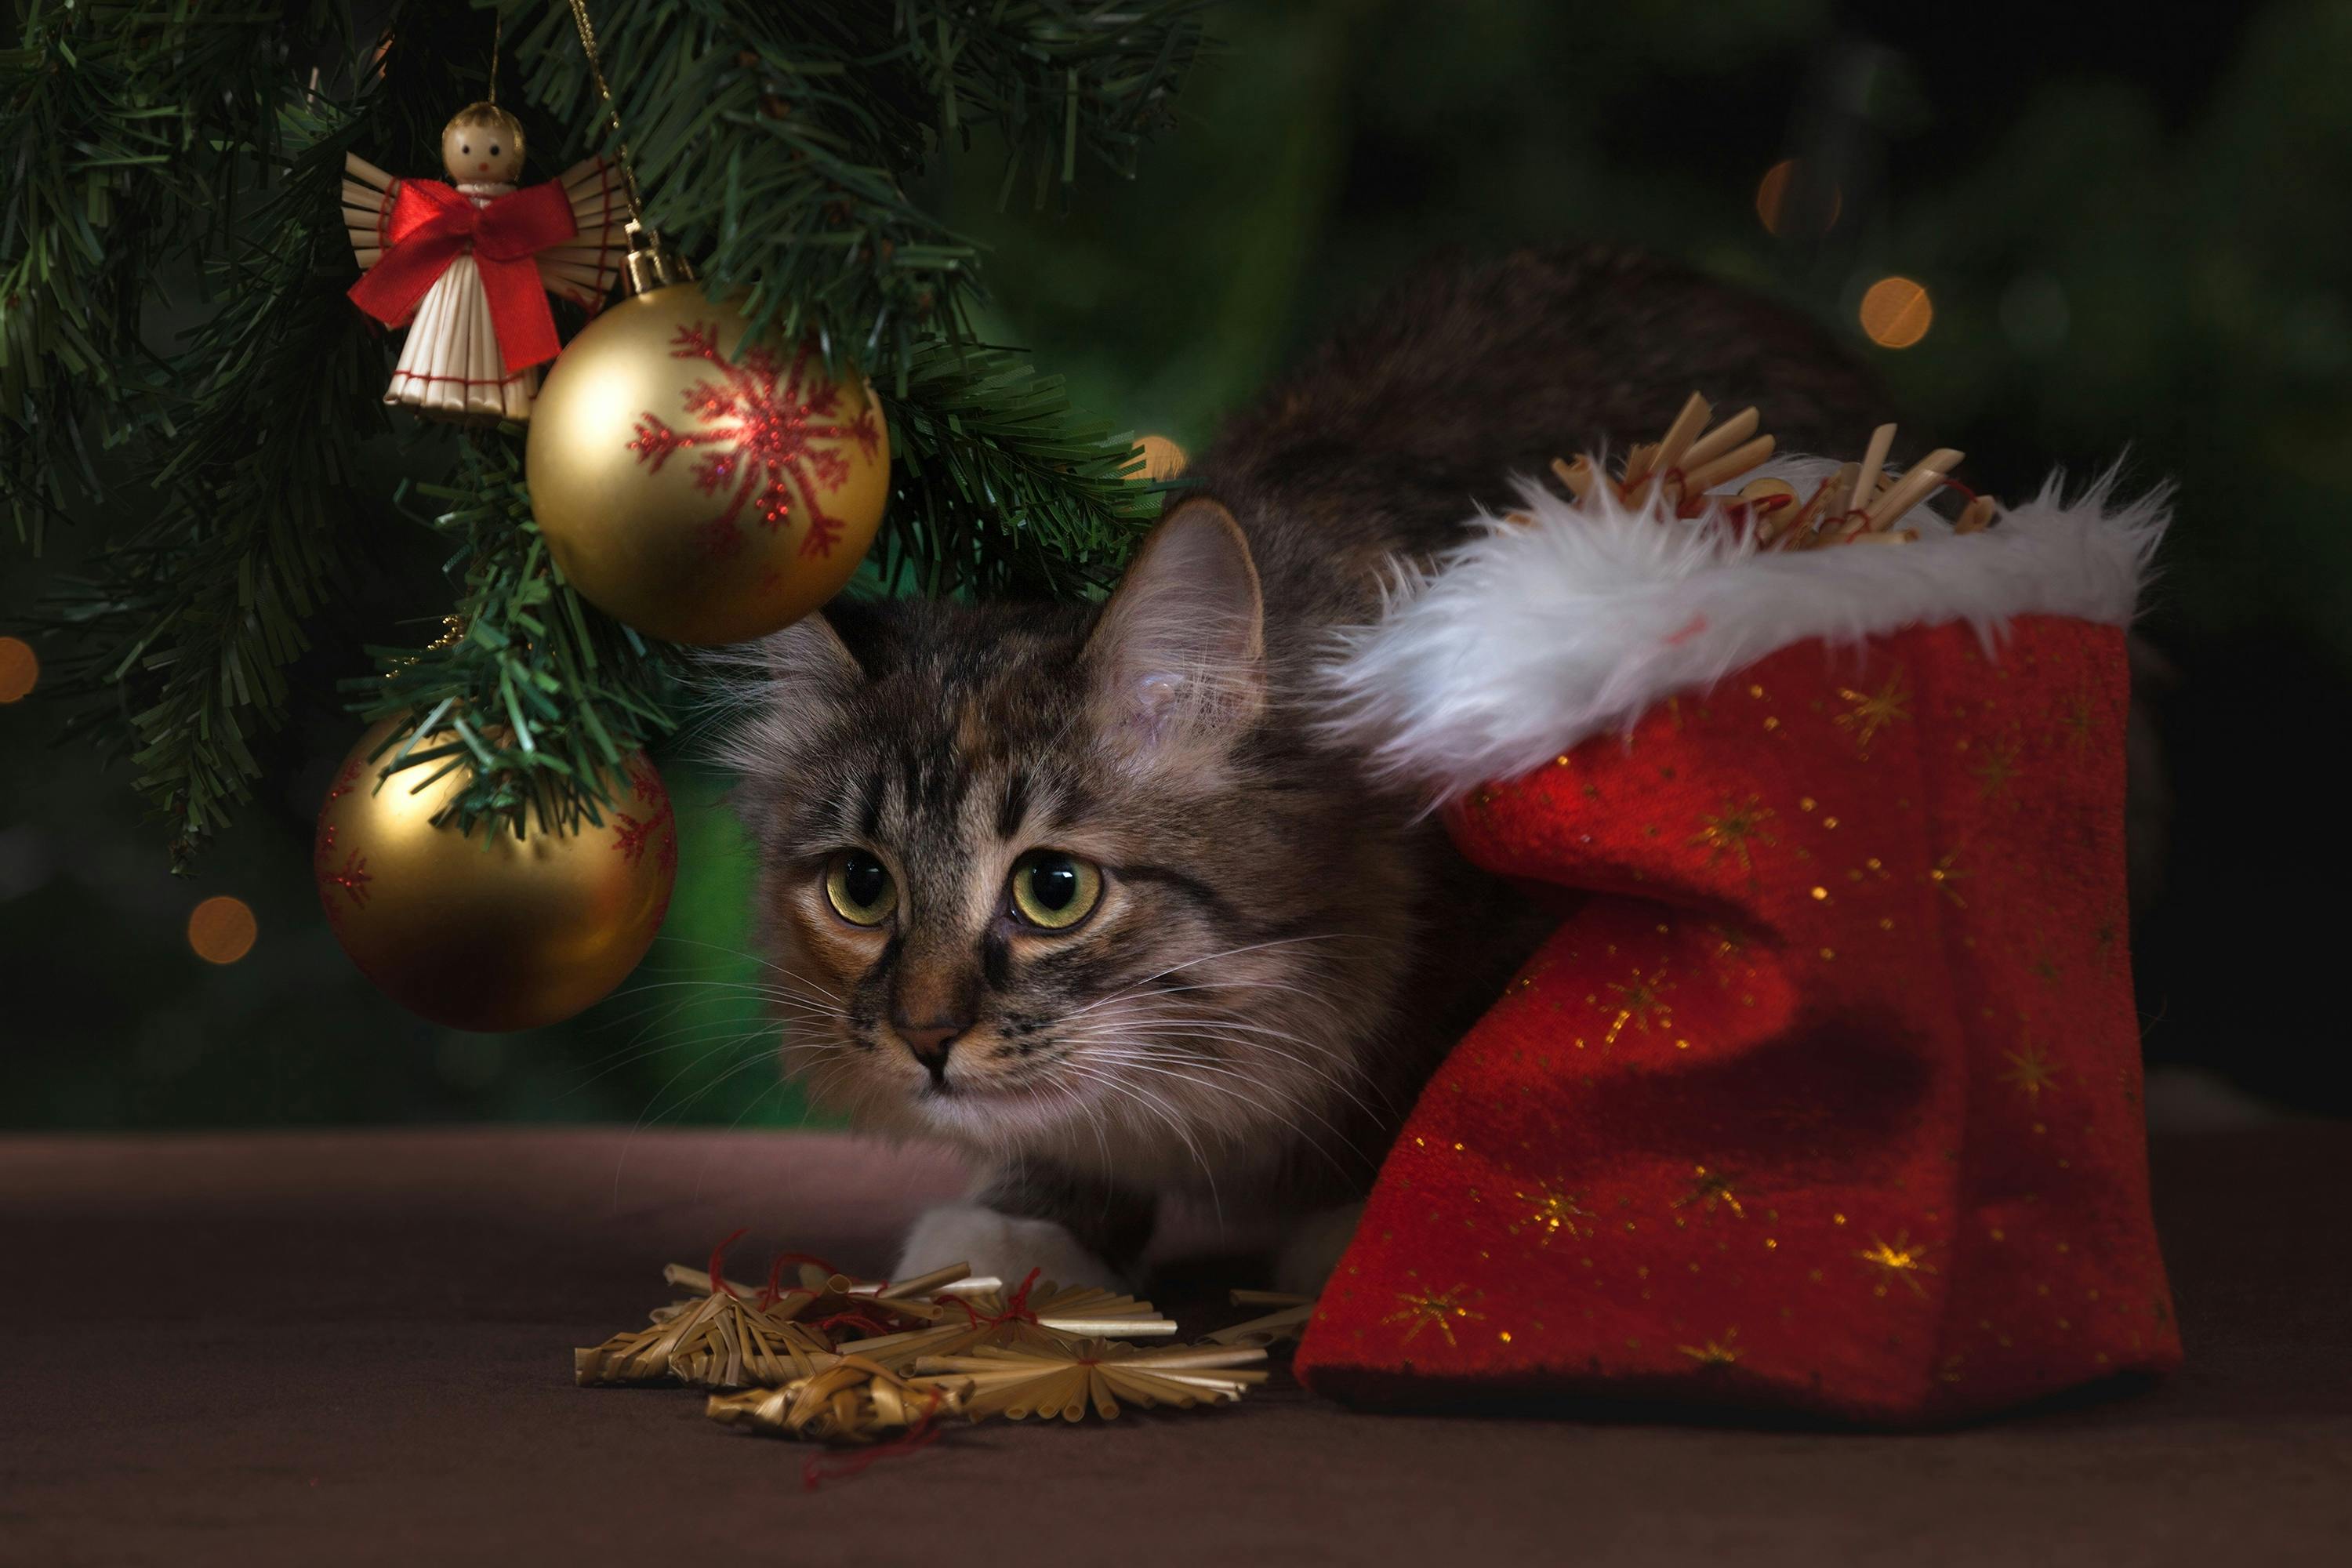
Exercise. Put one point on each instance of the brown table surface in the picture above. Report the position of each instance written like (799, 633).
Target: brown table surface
(355, 1347)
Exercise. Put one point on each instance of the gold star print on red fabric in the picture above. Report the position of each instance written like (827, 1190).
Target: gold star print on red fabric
(1418, 1310)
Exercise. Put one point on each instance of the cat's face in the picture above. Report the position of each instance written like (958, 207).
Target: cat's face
(1034, 878)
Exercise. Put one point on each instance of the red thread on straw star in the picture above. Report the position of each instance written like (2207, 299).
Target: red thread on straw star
(1016, 1306)
(776, 1290)
(718, 1286)
(822, 1468)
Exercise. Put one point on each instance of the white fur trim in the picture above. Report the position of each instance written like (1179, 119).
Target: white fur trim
(1530, 637)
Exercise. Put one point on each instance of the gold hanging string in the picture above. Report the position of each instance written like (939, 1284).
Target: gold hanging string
(612, 111)
(498, 34)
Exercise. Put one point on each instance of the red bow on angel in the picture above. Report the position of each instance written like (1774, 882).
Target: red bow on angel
(467, 266)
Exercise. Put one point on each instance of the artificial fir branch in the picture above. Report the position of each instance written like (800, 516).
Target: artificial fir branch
(774, 143)
(192, 617)
(124, 127)
(775, 146)
(1060, 84)
(225, 512)
(543, 694)
(1000, 492)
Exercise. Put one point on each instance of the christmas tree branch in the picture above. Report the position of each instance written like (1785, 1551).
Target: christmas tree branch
(775, 143)
(776, 146)
(193, 617)
(241, 448)
(824, 113)
(542, 695)
(1061, 84)
(1000, 492)
(114, 116)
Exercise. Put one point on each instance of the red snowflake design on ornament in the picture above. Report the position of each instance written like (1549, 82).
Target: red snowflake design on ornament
(353, 878)
(322, 855)
(632, 833)
(344, 781)
(758, 419)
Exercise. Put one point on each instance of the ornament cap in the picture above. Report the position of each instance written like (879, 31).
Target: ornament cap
(651, 264)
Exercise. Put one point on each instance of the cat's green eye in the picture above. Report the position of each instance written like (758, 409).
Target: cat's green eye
(1053, 890)
(860, 887)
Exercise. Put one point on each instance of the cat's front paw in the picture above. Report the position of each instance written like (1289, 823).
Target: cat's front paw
(1002, 1245)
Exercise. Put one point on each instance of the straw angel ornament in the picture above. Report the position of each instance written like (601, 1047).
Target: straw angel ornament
(467, 266)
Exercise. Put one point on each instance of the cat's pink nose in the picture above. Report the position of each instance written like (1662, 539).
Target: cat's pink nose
(930, 1042)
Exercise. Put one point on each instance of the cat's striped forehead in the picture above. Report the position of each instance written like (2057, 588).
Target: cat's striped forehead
(959, 746)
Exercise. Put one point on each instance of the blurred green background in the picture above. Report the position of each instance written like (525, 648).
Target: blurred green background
(2134, 238)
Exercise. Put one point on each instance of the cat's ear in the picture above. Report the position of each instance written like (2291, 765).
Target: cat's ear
(1179, 651)
(805, 663)
(781, 690)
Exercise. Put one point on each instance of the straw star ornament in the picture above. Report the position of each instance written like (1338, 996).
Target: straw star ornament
(1067, 1381)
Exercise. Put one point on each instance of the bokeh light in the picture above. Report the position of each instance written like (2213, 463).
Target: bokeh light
(1162, 458)
(1896, 313)
(221, 929)
(20, 670)
(1772, 198)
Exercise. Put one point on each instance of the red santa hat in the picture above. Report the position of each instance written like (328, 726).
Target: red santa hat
(1825, 1096)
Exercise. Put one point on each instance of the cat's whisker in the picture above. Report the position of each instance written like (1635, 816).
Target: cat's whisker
(1310, 1057)
(825, 1081)
(761, 1009)
(1096, 1124)
(711, 1153)
(1151, 980)
(652, 1111)
(803, 984)
(1323, 1005)
(1175, 1034)
(1100, 1065)
(717, 1039)
(1175, 1123)
(654, 1015)
(649, 1041)
(1126, 1052)
(657, 1114)
(828, 1063)
(704, 983)
(791, 986)
(1258, 1107)
(630, 1058)
(761, 959)
(1252, 1036)
(647, 1017)
(796, 1010)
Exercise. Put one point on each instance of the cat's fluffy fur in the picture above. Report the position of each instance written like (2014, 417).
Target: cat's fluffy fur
(1285, 946)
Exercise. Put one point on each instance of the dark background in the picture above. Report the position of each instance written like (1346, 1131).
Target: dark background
(2132, 227)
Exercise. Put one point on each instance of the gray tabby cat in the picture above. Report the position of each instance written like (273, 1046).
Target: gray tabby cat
(1082, 891)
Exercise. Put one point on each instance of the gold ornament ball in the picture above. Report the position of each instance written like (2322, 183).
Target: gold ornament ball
(482, 931)
(695, 496)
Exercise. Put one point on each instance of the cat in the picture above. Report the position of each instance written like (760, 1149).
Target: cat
(1084, 891)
